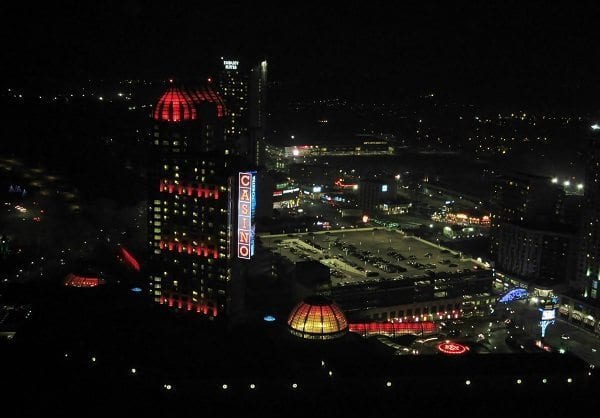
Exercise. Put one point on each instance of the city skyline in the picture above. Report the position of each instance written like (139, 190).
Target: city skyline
(374, 209)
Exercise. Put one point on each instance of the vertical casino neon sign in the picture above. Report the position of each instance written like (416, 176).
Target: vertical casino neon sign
(246, 214)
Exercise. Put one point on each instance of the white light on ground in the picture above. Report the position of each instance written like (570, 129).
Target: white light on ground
(555, 180)
(544, 380)
(569, 380)
(294, 385)
(252, 386)
(168, 387)
(224, 386)
(519, 381)
(467, 382)
(330, 373)
(388, 384)
(133, 370)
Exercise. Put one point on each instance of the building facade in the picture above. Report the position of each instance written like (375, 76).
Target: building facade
(257, 113)
(588, 275)
(522, 198)
(540, 255)
(191, 217)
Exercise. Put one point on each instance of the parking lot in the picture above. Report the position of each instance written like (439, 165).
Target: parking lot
(370, 254)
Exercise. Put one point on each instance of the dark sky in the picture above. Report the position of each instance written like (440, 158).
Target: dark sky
(374, 48)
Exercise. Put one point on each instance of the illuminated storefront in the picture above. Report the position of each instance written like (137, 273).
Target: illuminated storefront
(286, 196)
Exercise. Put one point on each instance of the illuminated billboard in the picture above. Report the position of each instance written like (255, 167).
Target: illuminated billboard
(548, 314)
(246, 214)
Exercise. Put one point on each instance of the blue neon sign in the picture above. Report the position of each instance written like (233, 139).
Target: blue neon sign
(514, 294)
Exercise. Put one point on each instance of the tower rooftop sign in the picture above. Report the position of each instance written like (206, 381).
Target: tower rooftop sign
(230, 64)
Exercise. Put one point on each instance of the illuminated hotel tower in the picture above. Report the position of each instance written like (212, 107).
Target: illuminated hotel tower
(191, 215)
(233, 87)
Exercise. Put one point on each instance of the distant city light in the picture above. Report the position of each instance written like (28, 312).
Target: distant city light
(567, 183)
(136, 290)
(580, 186)
(555, 180)
(595, 126)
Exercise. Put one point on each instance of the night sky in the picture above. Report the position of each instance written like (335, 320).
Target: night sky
(536, 51)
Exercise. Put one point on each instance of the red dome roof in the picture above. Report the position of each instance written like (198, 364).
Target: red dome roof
(317, 318)
(177, 105)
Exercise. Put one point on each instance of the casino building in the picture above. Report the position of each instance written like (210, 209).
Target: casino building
(197, 185)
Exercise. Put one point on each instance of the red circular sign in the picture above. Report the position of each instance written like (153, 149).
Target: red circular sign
(452, 348)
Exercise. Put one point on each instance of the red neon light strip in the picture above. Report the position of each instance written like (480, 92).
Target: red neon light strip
(130, 259)
(73, 280)
(344, 185)
(393, 328)
(189, 249)
(166, 186)
(201, 308)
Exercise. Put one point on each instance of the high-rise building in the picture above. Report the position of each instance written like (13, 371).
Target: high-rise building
(588, 275)
(538, 253)
(194, 184)
(233, 86)
(257, 112)
(520, 198)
